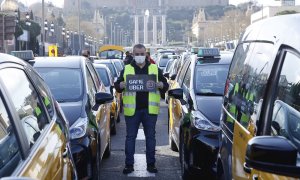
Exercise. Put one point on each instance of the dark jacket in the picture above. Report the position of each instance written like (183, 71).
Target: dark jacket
(142, 97)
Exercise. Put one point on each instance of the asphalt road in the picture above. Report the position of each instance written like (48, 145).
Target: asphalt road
(167, 161)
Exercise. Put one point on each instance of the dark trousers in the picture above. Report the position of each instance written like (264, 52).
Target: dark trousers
(132, 126)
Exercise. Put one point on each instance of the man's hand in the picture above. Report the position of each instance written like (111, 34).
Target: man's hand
(122, 85)
(160, 85)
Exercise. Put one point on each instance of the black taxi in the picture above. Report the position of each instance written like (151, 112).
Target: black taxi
(194, 110)
(261, 109)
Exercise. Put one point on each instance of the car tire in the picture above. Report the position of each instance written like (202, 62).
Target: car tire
(96, 166)
(108, 149)
(185, 174)
(173, 146)
(113, 130)
(118, 118)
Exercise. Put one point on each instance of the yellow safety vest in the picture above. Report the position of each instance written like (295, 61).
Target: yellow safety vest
(129, 98)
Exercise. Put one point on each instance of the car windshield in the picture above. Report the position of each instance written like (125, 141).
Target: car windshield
(163, 62)
(111, 54)
(210, 79)
(111, 68)
(65, 83)
(103, 76)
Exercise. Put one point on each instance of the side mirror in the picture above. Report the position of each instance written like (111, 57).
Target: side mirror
(173, 76)
(111, 90)
(103, 98)
(176, 93)
(273, 154)
(166, 75)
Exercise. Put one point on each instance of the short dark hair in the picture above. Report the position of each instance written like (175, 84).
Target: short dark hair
(139, 46)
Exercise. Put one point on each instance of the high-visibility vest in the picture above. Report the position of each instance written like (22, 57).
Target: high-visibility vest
(129, 98)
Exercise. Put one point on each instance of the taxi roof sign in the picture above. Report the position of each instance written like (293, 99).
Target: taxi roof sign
(208, 52)
(25, 55)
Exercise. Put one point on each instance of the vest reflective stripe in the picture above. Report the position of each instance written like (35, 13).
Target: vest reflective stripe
(129, 98)
(37, 111)
(46, 101)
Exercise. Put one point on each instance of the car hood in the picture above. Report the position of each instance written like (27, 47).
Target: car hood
(210, 107)
(72, 110)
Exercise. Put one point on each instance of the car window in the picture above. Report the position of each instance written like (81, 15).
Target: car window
(9, 148)
(26, 102)
(187, 79)
(182, 73)
(94, 75)
(245, 86)
(163, 62)
(286, 122)
(66, 84)
(91, 86)
(103, 76)
(111, 68)
(44, 92)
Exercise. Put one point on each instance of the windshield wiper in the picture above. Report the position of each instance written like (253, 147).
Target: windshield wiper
(209, 94)
(61, 101)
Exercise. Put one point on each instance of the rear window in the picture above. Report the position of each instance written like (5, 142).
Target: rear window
(103, 76)
(163, 62)
(65, 83)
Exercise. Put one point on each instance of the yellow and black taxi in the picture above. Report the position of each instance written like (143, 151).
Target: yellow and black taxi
(107, 79)
(75, 84)
(194, 110)
(34, 134)
(261, 109)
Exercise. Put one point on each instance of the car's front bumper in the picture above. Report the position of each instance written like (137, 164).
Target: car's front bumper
(204, 150)
(82, 155)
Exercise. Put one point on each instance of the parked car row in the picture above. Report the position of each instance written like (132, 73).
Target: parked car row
(237, 115)
(69, 101)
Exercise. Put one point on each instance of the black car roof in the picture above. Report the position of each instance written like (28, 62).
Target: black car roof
(282, 29)
(67, 62)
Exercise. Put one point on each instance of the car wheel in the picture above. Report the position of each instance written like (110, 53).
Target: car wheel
(168, 122)
(182, 154)
(118, 118)
(172, 144)
(96, 169)
(108, 149)
(113, 130)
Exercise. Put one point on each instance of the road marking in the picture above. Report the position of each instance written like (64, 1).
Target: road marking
(140, 167)
(140, 135)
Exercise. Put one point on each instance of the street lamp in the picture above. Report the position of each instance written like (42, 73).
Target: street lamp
(63, 33)
(28, 23)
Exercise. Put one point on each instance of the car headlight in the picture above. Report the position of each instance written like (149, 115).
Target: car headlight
(202, 123)
(78, 129)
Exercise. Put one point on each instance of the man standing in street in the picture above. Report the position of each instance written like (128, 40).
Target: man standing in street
(141, 107)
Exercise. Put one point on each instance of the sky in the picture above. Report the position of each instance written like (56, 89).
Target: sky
(60, 3)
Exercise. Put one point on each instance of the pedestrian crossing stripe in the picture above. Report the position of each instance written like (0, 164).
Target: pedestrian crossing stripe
(140, 135)
(140, 167)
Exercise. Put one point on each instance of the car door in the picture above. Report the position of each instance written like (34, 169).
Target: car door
(245, 88)
(285, 121)
(175, 106)
(97, 115)
(46, 156)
